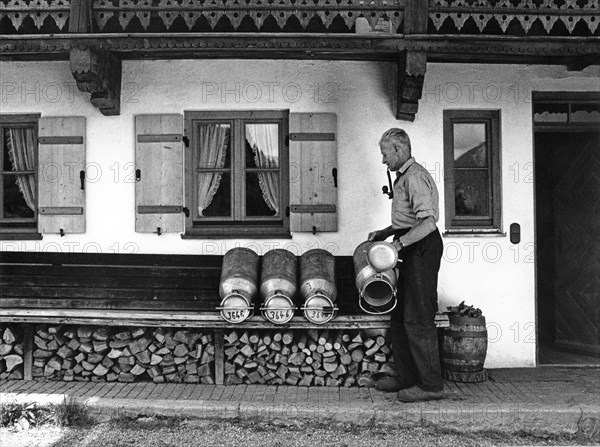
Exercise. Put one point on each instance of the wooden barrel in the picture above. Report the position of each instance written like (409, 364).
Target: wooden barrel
(463, 349)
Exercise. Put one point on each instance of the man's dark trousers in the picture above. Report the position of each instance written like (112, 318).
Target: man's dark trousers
(413, 332)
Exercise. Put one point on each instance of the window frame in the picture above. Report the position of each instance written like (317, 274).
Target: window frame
(238, 225)
(491, 224)
(567, 99)
(8, 229)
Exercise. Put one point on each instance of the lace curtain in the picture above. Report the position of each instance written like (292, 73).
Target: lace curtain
(264, 140)
(20, 144)
(212, 152)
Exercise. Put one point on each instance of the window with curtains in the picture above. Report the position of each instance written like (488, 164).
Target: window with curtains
(472, 171)
(18, 172)
(237, 173)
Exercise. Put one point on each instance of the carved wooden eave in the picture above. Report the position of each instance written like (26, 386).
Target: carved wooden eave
(381, 47)
(96, 58)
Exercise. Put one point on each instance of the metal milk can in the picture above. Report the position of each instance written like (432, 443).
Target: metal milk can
(317, 285)
(239, 284)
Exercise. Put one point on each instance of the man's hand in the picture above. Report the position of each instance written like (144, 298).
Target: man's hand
(375, 236)
(397, 244)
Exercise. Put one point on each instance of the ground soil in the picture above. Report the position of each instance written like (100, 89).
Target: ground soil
(167, 432)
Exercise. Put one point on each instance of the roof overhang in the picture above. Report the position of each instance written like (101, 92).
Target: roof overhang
(95, 59)
(384, 47)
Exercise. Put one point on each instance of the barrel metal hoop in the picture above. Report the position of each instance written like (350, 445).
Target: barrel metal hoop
(462, 368)
(466, 376)
(457, 356)
(473, 334)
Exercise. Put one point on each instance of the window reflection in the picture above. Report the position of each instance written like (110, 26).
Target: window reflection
(471, 169)
(262, 153)
(585, 113)
(550, 113)
(470, 149)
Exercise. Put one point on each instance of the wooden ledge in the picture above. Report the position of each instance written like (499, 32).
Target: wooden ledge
(178, 319)
(187, 319)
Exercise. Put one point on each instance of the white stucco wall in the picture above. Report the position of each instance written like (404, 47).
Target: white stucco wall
(489, 273)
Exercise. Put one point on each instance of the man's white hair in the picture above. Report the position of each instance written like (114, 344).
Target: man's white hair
(397, 136)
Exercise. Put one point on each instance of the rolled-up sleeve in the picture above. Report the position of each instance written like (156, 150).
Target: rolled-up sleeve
(423, 195)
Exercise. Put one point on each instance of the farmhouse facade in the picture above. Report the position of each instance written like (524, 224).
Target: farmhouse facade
(193, 127)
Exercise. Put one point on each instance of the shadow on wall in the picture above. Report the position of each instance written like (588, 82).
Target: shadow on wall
(387, 87)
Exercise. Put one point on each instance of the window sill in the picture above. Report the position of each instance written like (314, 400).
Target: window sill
(473, 233)
(24, 236)
(210, 234)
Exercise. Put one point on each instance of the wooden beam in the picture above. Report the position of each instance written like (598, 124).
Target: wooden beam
(382, 47)
(178, 319)
(189, 319)
(80, 16)
(99, 73)
(416, 16)
(412, 66)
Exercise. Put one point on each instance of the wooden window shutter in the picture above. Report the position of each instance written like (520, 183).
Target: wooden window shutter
(61, 175)
(159, 176)
(313, 172)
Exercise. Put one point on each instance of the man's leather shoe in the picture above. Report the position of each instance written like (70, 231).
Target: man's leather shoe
(387, 384)
(416, 394)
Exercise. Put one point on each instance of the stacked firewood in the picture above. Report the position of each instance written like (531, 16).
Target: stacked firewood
(86, 353)
(11, 353)
(306, 357)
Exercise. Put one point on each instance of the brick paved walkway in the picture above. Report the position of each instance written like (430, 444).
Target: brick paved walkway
(554, 399)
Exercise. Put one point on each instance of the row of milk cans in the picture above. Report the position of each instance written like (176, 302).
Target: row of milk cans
(275, 280)
(242, 279)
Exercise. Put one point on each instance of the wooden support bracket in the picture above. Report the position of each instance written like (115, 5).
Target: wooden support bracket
(27, 351)
(99, 73)
(96, 72)
(412, 66)
(219, 357)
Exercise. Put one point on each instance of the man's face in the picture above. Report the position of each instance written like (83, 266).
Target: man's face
(393, 155)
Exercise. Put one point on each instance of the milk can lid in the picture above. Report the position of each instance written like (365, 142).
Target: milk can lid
(278, 309)
(319, 309)
(382, 256)
(235, 308)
